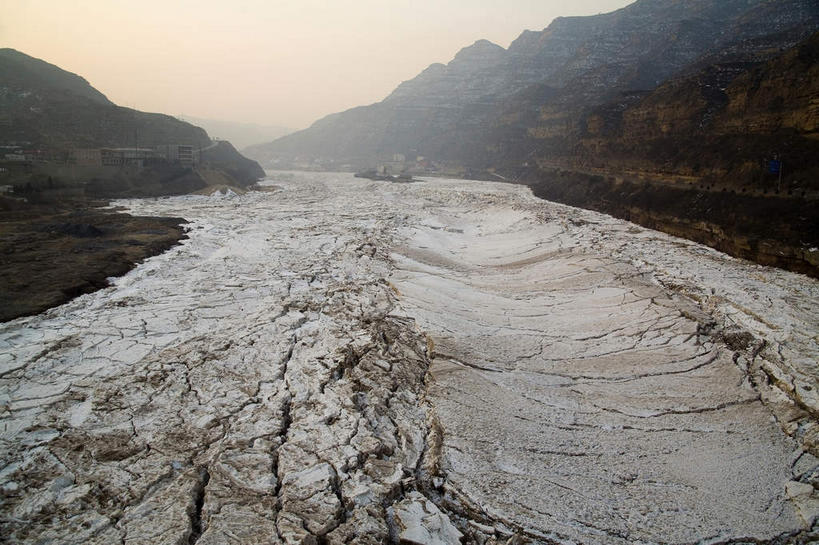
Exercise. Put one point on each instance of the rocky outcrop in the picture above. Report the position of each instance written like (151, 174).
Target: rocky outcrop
(223, 156)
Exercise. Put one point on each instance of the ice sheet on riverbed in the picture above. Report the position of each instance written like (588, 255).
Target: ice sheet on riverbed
(581, 401)
(267, 380)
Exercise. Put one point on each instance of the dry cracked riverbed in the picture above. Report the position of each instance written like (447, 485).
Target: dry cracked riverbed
(336, 360)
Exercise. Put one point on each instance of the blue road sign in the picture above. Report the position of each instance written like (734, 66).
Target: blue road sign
(775, 166)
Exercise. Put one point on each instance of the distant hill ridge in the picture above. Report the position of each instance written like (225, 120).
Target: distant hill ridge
(239, 134)
(44, 107)
(19, 70)
(52, 108)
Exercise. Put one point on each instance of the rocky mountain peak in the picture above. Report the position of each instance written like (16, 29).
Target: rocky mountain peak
(472, 73)
(482, 51)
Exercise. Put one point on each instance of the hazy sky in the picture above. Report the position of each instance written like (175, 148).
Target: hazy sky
(281, 62)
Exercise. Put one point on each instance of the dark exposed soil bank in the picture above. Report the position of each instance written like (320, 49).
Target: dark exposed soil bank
(49, 255)
(779, 231)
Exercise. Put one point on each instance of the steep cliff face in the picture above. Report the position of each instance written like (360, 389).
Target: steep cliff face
(490, 106)
(779, 96)
(721, 126)
(693, 157)
(225, 157)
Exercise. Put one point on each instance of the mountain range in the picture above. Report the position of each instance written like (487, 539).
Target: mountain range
(716, 98)
(492, 106)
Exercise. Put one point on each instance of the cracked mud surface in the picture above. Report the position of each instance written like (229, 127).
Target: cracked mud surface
(344, 361)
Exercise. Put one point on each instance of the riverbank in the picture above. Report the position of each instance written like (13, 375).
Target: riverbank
(58, 242)
(50, 254)
(773, 230)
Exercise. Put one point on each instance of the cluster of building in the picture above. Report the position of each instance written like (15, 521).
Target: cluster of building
(16, 153)
(138, 157)
(401, 164)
